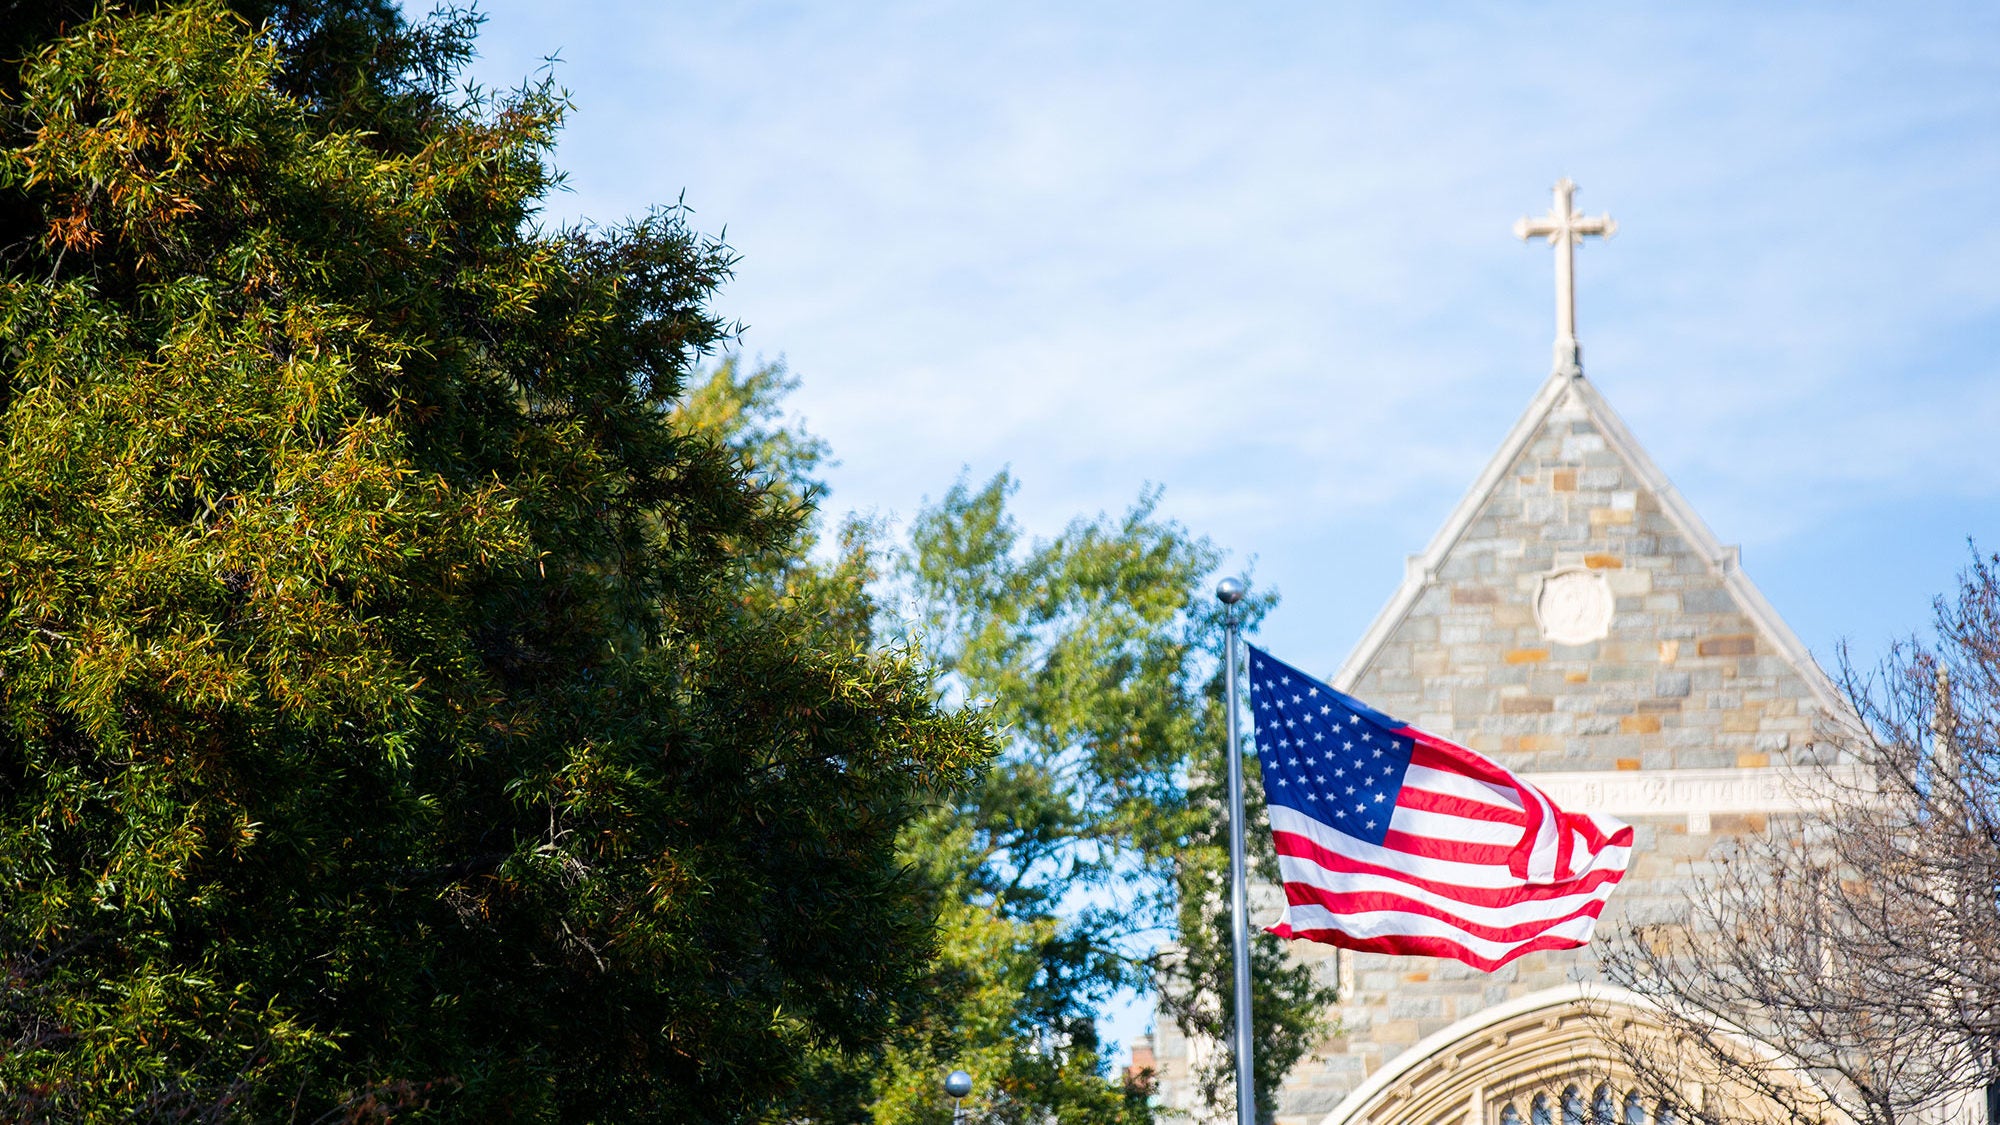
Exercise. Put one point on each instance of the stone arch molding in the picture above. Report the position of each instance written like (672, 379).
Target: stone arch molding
(1490, 1068)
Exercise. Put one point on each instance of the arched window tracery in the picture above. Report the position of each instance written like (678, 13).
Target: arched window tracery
(1604, 1107)
(1603, 1110)
(1572, 1105)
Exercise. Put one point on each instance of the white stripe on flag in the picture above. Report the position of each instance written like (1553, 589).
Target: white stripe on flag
(1459, 785)
(1394, 923)
(1461, 829)
(1548, 833)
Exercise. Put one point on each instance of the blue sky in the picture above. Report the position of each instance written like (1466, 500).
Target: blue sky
(1259, 254)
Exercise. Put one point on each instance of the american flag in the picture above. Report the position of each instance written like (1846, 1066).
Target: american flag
(1391, 840)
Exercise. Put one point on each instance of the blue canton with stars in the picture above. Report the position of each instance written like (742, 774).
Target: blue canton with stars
(1325, 754)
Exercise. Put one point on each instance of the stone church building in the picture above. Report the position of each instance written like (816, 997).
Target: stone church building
(1575, 620)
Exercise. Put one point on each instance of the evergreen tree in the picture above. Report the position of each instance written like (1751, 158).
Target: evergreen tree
(396, 714)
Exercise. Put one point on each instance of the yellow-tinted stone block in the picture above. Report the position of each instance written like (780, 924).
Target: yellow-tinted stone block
(1740, 824)
(1748, 720)
(1603, 562)
(1639, 724)
(1752, 761)
(1525, 655)
(1734, 644)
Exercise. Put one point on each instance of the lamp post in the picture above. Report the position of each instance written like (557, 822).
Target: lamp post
(958, 1084)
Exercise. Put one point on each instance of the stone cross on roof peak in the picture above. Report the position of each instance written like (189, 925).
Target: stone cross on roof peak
(1564, 228)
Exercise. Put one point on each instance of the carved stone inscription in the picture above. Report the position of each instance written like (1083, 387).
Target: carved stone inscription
(1698, 794)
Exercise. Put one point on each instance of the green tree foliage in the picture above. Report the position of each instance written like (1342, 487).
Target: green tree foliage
(740, 408)
(1100, 832)
(398, 716)
(355, 62)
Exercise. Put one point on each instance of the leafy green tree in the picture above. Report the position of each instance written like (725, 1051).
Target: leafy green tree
(1101, 831)
(397, 713)
(1096, 837)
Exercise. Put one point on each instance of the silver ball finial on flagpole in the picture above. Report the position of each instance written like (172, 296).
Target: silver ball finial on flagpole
(1230, 590)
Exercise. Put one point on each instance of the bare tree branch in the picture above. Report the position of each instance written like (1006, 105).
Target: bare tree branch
(1860, 944)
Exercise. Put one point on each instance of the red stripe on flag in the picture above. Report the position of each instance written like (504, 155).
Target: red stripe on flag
(1457, 851)
(1430, 750)
(1594, 835)
(1299, 847)
(1423, 946)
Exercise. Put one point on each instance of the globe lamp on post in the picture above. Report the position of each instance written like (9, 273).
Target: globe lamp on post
(957, 1085)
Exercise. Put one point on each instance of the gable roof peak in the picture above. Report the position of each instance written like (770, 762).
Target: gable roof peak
(1567, 395)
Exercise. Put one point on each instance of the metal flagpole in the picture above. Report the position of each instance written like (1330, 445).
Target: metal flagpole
(1230, 591)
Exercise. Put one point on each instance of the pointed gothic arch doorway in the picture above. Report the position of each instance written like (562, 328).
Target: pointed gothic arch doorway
(1543, 1059)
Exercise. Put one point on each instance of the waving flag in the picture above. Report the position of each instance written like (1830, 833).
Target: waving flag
(1391, 840)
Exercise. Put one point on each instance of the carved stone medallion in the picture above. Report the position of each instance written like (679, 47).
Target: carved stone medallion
(1573, 606)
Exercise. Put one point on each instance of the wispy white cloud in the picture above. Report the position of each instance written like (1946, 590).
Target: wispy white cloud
(1260, 255)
